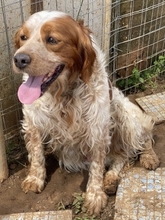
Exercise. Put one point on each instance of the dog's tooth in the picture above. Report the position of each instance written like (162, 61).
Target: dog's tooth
(45, 78)
(49, 74)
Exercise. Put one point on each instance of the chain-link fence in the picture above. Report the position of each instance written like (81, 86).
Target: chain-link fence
(130, 32)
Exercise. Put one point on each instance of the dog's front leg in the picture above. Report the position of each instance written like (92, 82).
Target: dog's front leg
(37, 172)
(95, 198)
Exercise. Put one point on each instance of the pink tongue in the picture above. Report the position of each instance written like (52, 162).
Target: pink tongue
(29, 91)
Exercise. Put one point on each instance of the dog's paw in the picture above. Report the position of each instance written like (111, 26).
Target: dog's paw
(32, 183)
(95, 201)
(149, 161)
(111, 181)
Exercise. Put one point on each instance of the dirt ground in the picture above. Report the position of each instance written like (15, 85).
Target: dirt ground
(63, 190)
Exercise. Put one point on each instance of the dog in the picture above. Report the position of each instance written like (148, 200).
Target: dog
(70, 105)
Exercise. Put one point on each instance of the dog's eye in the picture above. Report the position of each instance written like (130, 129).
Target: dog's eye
(51, 40)
(23, 37)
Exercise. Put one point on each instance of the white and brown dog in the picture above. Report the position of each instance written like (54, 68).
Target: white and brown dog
(66, 102)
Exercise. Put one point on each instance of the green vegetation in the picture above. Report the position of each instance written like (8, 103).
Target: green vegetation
(78, 203)
(60, 206)
(142, 80)
(79, 211)
(78, 208)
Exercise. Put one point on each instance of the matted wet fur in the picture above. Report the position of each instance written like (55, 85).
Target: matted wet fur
(131, 136)
(67, 105)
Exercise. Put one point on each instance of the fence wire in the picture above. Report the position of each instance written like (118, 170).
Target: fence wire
(137, 36)
(130, 32)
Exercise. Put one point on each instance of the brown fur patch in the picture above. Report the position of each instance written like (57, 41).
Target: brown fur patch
(74, 45)
(22, 32)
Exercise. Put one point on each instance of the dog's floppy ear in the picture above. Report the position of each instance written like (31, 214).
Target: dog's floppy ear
(87, 52)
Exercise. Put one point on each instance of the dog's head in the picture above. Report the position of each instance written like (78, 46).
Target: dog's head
(51, 45)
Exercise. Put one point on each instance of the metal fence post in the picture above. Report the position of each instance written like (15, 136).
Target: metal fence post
(3, 161)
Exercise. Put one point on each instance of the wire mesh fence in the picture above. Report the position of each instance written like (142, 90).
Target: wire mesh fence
(130, 32)
(137, 37)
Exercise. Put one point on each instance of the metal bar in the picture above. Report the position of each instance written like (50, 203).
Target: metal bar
(3, 161)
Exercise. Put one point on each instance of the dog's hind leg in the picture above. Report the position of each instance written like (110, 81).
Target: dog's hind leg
(148, 158)
(112, 178)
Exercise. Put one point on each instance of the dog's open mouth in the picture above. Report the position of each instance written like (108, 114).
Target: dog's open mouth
(49, 79)
(35, 86)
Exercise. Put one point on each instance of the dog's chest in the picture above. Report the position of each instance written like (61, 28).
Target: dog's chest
(62, 121)
(78, 116)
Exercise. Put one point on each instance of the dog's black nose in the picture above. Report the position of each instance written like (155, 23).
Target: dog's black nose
(22, 60)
